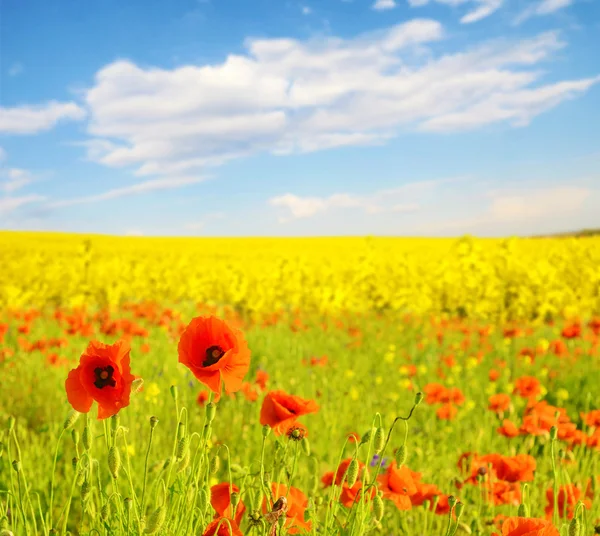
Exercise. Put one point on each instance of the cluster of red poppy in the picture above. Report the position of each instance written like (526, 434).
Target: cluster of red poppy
(449, 398)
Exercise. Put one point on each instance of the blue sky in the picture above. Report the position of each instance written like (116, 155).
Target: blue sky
(286, 117)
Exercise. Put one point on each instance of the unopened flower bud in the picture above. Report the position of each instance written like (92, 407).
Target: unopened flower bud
(16, 466)
(401, 456)
(174, 392)
(86, 438)
(553, 433)
(378, 440)
(71, 419)
(352, 472)
(458, 510)
(153, 421)
(377, 507)
(418, 398)
(86, 489)
(215, 462)
(114, 422)
(211, 411)
(266, 430)
(136, 386)
(156, 520)
(451, 501)
(114, 461)
(305, 444)
(522, 512)
(75, 437)
(574, 527)
(105, 511)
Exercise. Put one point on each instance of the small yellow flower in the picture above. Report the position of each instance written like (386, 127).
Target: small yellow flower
(403, 370)
(562, 394)
(379, 380)
(354, 393)
(469, 405)
(152, 391)
(527, 360)
(457, 369)
(422, 370)
(510, 387)
(131, 450)
(543, 373)
(543, 391)
(450, 381)
(490, 388)
(349, 373)
(405, 384)
(472, 363)
(543, 344)
(388, 357)
(392, 347)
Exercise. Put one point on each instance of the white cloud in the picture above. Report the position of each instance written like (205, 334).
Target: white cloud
(382, 5)
(14, 179)
(544, 7)
(288, 96)
(403, 199)
(139, 188)
(480, 9)
(9, 204)
(33, 119)
(16, 69)
(306, 10)
(3, 155)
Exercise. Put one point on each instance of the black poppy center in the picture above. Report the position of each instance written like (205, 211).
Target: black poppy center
(104, 377)
(213, 354)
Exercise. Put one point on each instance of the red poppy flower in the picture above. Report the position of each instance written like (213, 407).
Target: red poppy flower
(297, 503)
(215, 353)
(220, 527)
(349, 495)
(280, 410)
(103, 375)
(220, 499)
(523, 526)
(499, 403)
(398, 485)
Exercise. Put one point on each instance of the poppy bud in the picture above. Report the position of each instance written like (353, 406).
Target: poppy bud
(366, 437)
(153, 422)
(114, 423)
(522, 512)
(451, 501)
(182, 447)
(3, 523)
(377, 507)
(352, 472)
(401, 456)
(378, 440)
(114, 461)
(266, 430)
(214, 464)
(86, 438)
(211, 411)
(80, 477)
(105, 511)
(71, 419)
(16, 466)
(156, 520)
(184, 461)
(235, 500)
(574, 527)
(459, 509)
(166, 463)
(418, 398)
(305, 446)
(174, 392)
(313, 484)
(180, 430)
(75, 437)
(86, 489)
(11, 423)
(202, 500)
(74, 462)
(136, 386)
(553, 433)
